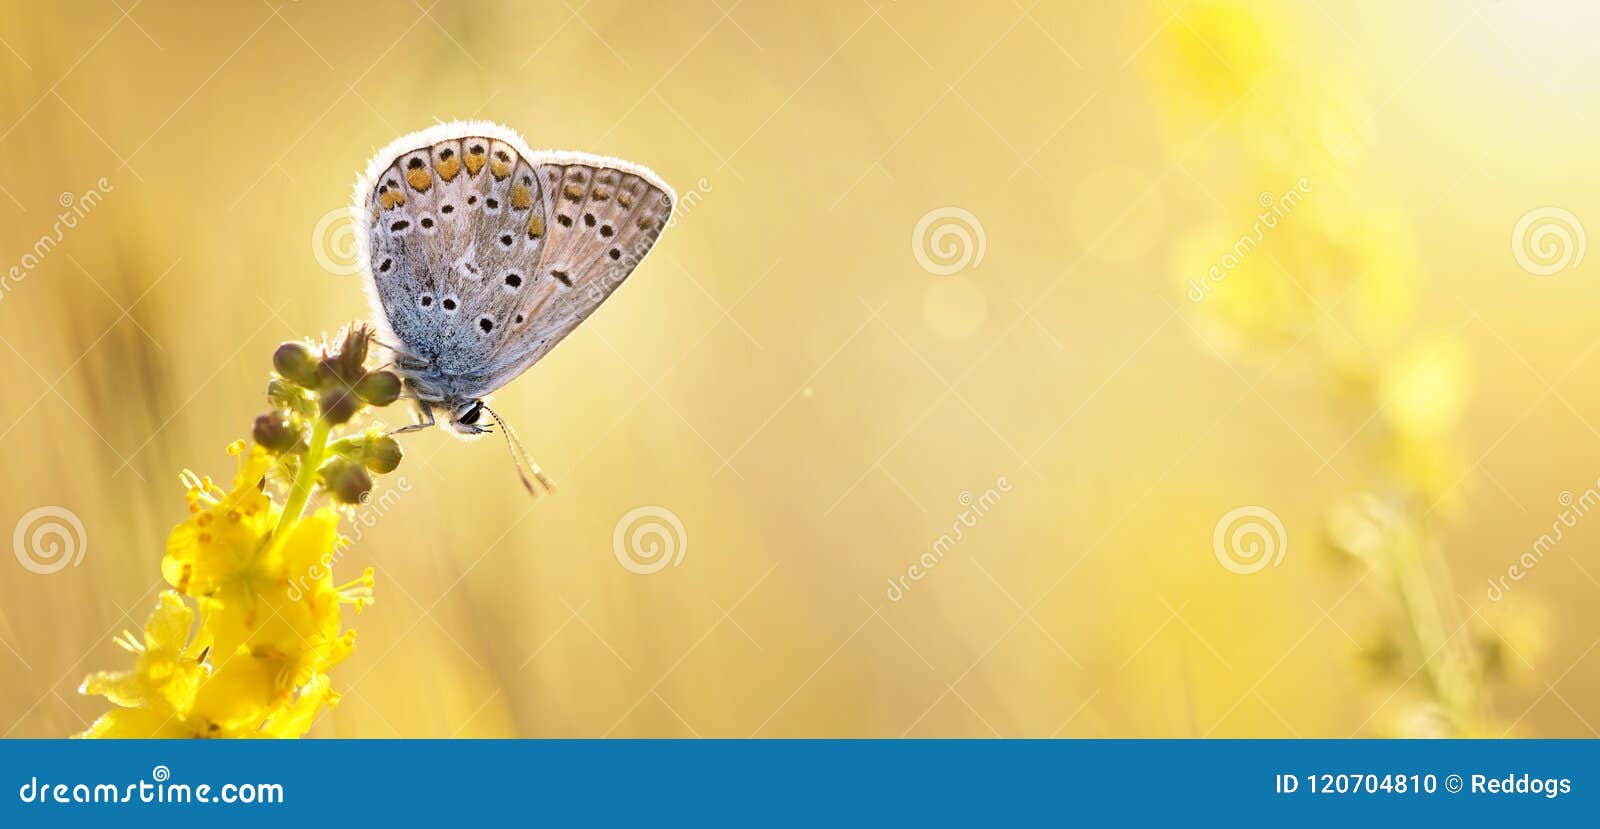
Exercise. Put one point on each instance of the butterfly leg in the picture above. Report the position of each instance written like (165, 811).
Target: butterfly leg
(427, 412)
(402, 357)
(396, 349)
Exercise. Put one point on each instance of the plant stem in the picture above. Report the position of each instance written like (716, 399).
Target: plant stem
(1439, 656)
(306, 479)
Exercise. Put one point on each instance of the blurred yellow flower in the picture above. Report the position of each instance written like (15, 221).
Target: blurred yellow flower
(1213, 53)
(1423, 392)
(1321, 266)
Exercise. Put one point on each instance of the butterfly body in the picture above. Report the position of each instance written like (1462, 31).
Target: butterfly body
(481, 254)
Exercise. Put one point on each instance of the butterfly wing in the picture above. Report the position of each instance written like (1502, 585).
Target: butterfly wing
(391, 213)
(603, 216)
(485, 254)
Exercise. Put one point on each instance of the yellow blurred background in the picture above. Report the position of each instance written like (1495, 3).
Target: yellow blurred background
(932, 261)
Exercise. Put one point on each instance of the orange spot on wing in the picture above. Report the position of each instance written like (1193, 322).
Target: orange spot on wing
(419, 179)
(448, 169)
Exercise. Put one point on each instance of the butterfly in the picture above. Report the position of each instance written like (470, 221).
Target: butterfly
(480, 255)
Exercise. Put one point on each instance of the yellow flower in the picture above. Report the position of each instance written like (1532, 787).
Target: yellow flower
(165, 674)
(262, 600)
(226, 530)
(270, 623)
(260, 574)
(138, 724)
(296, 718)
(274, 602)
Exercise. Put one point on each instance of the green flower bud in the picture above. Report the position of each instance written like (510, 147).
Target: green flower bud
(352, 354)
(383, 454)
(275, 432)
(348, 482)
(289, 397)
(339, 405)
(380, 388)
(293, 362)
(331, 374)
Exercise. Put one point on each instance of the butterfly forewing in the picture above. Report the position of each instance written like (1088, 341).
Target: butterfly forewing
(484, 254)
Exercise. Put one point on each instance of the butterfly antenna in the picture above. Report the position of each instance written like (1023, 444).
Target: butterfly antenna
(520, 458)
